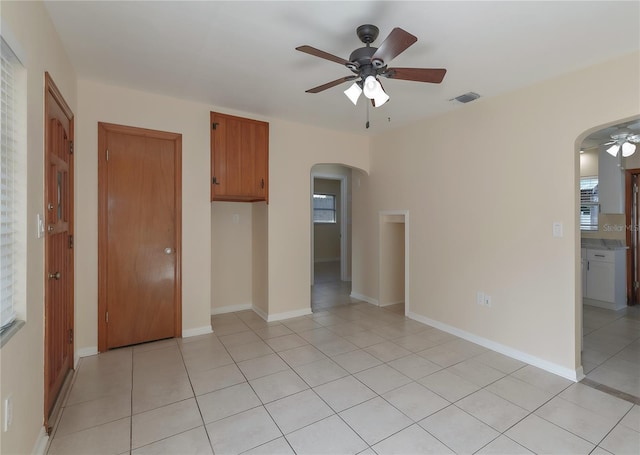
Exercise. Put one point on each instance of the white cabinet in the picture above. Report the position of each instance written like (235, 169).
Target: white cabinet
(610, 183)
(606, 279)
(583, 269)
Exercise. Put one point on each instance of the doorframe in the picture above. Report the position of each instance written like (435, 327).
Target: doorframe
(628, 207)
(51, 88)
(382, 215)
(343, 222)
(103, 129)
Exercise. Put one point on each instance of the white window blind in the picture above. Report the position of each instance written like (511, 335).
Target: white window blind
(11, 188)
(589, 203)
(324, 208)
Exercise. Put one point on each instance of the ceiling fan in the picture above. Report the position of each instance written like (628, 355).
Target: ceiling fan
(622, 140)
(369, 63)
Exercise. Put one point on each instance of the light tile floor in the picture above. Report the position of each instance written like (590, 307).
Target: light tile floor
(611, 348)
(350, 378)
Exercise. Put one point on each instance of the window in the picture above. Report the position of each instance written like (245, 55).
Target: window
(589, 205)
(324, 208)
(12, 186)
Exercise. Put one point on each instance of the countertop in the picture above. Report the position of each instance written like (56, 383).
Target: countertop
(604, 244)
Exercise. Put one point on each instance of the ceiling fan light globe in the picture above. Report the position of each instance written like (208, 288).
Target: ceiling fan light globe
(371, 87)
(628, 149)
(613, 150)
(353, 93)
(380, 98)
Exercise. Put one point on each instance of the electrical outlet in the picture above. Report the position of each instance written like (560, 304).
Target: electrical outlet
(487, 300)
(8, 413)
(480, 298)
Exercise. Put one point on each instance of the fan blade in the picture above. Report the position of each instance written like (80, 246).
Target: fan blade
(433, 75)
(322, 54)
(322, 87)
(396, 43)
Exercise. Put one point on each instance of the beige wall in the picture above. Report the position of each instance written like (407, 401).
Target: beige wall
(209, 227)
(326, 236)
(231, 256)
(27, 28)
(483, 186)
(291, 156)
(392, 256)
(260, 257)
(103, 103)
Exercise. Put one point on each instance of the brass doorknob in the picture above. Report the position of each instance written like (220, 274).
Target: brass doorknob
(54, 276)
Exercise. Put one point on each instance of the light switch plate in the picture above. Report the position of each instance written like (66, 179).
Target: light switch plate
(557, 229)
(40, 231)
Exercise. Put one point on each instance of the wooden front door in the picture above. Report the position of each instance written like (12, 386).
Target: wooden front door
(139, 235)
(632, 215)
(58, 311)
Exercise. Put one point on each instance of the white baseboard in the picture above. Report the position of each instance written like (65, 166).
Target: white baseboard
(391, 303)
(42, 441)
(84, 352)
(282, 316)
(365, 298)
(606, 305)
(260, 313)
(231, 308)
(573, 375)
(197, 331)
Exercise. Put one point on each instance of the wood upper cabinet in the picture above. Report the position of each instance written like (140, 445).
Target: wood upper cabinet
(239, 159)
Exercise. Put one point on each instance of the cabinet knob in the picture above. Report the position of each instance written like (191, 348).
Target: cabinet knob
(214, 181)
(262, 183)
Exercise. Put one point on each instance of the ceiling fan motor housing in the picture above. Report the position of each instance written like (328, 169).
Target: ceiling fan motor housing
(360, 62)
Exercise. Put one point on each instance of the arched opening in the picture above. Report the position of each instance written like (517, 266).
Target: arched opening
(330, 249)
(606, 314)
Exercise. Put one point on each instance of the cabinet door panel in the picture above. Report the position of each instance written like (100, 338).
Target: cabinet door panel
(233, 170)
(247, 157)
(261, 161)
(219, 157)
(600, 281)
(239, 158)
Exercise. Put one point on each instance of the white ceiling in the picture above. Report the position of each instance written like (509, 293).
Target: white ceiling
(241, 55)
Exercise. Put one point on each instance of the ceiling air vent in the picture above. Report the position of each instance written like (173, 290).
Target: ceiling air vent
(466, 98)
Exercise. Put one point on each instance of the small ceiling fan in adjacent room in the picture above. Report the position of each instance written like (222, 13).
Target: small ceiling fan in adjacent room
(624, 141)
(369, 63)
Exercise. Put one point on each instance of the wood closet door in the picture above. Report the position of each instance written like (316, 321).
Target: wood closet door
(140, 241)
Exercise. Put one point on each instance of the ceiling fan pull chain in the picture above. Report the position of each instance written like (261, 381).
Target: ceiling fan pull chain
(367, 124)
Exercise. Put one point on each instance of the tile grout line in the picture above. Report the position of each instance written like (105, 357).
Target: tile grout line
(195, 398)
